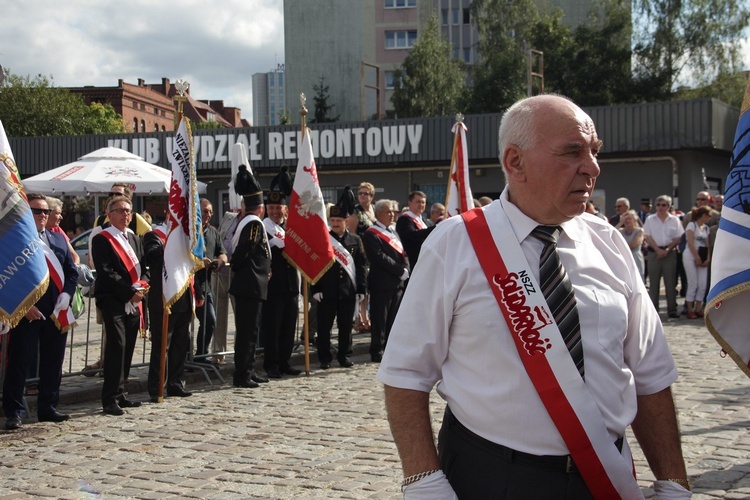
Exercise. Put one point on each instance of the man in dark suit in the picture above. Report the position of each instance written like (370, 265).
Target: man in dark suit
(178, 327)
(281, 309)
(339, 289)
(38, 330)
(121, 284)
(250, 264)
(389, 268)
(411, 228)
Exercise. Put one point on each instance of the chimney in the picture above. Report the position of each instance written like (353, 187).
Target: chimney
(141, 82)
(119, 82)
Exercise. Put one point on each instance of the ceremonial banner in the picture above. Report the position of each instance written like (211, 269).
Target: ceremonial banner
(459, 198)
(183, 250)
(24, 275)
(307, 244)
(727, 310)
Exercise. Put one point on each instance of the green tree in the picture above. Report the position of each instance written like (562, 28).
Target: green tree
(687, 42)
(505, 30)
(206, 125)
(284, 117)
(322, 107)
(430, 82)
(726, 87)
(31, 107)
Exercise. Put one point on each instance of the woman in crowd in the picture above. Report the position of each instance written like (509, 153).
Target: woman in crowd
(632, 231)
(695, 259)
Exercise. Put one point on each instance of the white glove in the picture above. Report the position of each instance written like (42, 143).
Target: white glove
(63, 302)
(405, 276)
(4, 328)
(360, 297)
(668, 490)
(131, 308)
(433, 487)
(317, 297)
(276, 242)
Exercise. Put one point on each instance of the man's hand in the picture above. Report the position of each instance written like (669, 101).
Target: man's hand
(4, 328)
(137, 296)
(34, 314)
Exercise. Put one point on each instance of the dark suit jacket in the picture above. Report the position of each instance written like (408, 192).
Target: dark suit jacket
(386, 264)
(251, 263)
(411, 237)
(113, 286)
(59, 246)
(336, 282)
(284, 276)
(153, 252)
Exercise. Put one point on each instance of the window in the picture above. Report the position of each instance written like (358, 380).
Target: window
(143, 126)
(467, 55)
(400, 39)
(467, 16)
(281, 79)
(445, 17)
(156, 127)
(454, 16)
(135, 124)
(391, 80)
(400, 4)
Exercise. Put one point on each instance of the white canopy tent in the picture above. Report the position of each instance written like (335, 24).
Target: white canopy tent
(95, 173)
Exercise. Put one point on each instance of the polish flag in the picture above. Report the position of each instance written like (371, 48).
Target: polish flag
(459, 198)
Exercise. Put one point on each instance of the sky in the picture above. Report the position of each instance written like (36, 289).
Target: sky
(215, 45)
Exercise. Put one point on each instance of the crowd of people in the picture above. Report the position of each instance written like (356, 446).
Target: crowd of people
(513, 423)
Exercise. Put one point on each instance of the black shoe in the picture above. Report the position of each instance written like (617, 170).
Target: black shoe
(153, 399)
(346, 363)
(54, 416)
(247, 384)
(178, 392)
(258, 379)
(273, 374)
(290, 371)
(674, 315)
(126, 403)
(113, 409)
(376, 358)
(325, 366)
(13, 423)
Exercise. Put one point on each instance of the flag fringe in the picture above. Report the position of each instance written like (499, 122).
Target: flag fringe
(725, 295)
(26, 304)
(169, 303)
(63, 329)
(308, 278)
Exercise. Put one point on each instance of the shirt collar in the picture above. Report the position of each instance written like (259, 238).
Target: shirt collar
(523, 225)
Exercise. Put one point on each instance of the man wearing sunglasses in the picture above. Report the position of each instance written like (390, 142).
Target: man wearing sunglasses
(41, 329)
(121, 283)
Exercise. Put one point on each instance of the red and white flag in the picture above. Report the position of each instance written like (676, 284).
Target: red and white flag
(307, 244)
(459, 198)
(183, 250)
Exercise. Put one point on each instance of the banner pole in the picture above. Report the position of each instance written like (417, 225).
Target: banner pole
(162, 355)
(305, 303)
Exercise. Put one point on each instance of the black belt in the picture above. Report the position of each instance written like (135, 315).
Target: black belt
(559, 463)
(651, 249)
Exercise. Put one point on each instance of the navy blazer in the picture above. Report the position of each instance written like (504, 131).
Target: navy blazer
(59, 246)
(386, 264)
(113, 286)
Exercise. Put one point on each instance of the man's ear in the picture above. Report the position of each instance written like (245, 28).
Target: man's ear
(513, 162)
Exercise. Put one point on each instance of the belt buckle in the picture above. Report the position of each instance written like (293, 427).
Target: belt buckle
(570, 466)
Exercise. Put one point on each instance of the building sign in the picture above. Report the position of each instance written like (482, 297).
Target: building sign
(346, 143)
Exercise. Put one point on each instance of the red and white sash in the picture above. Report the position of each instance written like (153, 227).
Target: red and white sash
(344, 258)
(129, 259)
(418, 221)
(63, 318)
(388, 237)
(274, 231)
(607, 472)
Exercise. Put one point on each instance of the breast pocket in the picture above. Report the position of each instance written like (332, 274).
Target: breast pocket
(612, 322)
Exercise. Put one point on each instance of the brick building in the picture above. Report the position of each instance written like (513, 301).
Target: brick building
(151, 108)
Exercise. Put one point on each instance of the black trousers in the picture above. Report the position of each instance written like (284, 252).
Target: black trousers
(342, 309)
(178, 343)
(24, 341)
(279, 323)
(478, 469)
(205, 329)
(122, 332)
(384, 305)
(247, 325)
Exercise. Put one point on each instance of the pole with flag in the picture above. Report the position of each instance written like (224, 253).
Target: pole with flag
(458, 198)
(24, 275)
(183, 249)
(307, 244)
(727, 311)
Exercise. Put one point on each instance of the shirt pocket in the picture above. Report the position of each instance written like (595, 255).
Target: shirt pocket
(612, 322)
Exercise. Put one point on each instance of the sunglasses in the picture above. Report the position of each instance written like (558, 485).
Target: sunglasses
(363, 193)
(121, 211)
(662, 205)
(40, 211)
(701, 199)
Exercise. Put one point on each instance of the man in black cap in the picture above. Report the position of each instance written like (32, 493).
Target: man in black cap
(251, 265)
(342, 286)
(281, 309)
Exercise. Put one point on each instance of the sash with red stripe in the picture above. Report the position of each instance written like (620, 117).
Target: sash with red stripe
(418, 221)
(130, 261)
(63, 318)
(607, 472)
(388, 237)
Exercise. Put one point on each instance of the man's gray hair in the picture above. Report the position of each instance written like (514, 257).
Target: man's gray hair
(665, 197)
(624, 201)
(383, 205)
(54, 203)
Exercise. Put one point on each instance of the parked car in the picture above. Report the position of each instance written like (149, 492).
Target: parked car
(81, 245)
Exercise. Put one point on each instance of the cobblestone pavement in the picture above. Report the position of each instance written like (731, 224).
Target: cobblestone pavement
(318, 436)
